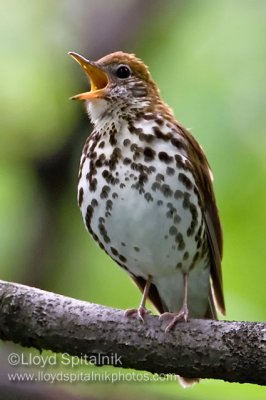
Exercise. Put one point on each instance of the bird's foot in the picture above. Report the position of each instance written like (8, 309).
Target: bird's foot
(182, 315)
(140, 312)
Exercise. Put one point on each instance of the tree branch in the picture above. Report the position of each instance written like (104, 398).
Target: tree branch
(232, 351)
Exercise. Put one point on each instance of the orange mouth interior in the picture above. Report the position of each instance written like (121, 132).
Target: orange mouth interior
(98, 78)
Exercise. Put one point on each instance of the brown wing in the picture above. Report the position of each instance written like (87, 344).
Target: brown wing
(203, 178)
(216, 271)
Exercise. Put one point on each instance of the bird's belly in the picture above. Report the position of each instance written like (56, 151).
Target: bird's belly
(152, 228)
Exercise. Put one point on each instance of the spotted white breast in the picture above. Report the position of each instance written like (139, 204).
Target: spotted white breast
(142, 207)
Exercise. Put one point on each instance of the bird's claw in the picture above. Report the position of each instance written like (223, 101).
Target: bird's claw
(182, 315)
(140, 312)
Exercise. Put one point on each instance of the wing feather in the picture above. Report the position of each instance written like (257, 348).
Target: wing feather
(203, 176)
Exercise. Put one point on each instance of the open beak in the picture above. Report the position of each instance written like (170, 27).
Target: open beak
(98, 78)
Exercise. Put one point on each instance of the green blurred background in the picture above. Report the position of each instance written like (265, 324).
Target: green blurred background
(209, 59)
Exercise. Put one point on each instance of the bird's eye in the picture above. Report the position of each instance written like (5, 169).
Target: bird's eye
(123, 72)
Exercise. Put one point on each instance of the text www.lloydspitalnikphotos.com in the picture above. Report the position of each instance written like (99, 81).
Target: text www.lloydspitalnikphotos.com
(42, 362)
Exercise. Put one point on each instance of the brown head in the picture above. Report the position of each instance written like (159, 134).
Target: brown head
(118, 77)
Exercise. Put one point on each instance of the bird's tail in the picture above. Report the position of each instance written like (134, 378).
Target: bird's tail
(187, 382)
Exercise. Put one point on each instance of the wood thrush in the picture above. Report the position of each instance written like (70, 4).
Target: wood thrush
(145, 192)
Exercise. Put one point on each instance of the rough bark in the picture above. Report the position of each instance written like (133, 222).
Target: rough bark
(232, 351)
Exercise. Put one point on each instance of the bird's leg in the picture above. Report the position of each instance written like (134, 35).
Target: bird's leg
(182, 313)
(142, 310)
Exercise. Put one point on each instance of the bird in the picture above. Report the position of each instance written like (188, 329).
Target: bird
(145, 191)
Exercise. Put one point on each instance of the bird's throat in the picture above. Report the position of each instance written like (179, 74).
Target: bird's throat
(97, 110)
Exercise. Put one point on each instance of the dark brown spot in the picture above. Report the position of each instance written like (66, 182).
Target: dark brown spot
(185, 180)
(186, 255)
(151, 169)
(133, 129)
(179, 161)
(94, 203)
(159, 121)
(99, 163)
(172, 230)
(149, 154)
(195, 258)
(166, 190)
(102, 144)
(178, 265)
(92, 154)
(109, 205)
(134, 166)
(178, 194)
(155, 186)
(179, 237)
(181, 245)
(186, 201)
(143, 178)
(101, 245)
(159, 178)
(109, 177)
(178, 143)
(105, 173)
(177, 219)
(199, 233)
(160, 135)
(126, 142)
(170, 171)
(163, 156)
(114, 251)
(114, 158)
(148, 138)
(122, 258)
(80, 196)
(93, 185)
(199, 243)
(103, 231)
(89, 214)
(194, 211)
(105, 192)
(189, 231)
(95, 237)
(135, 147)
(170, 213)
(148, 197)
(112, 138)
(127, 161)
(93, 170)
(136, 248)
(136, 155)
